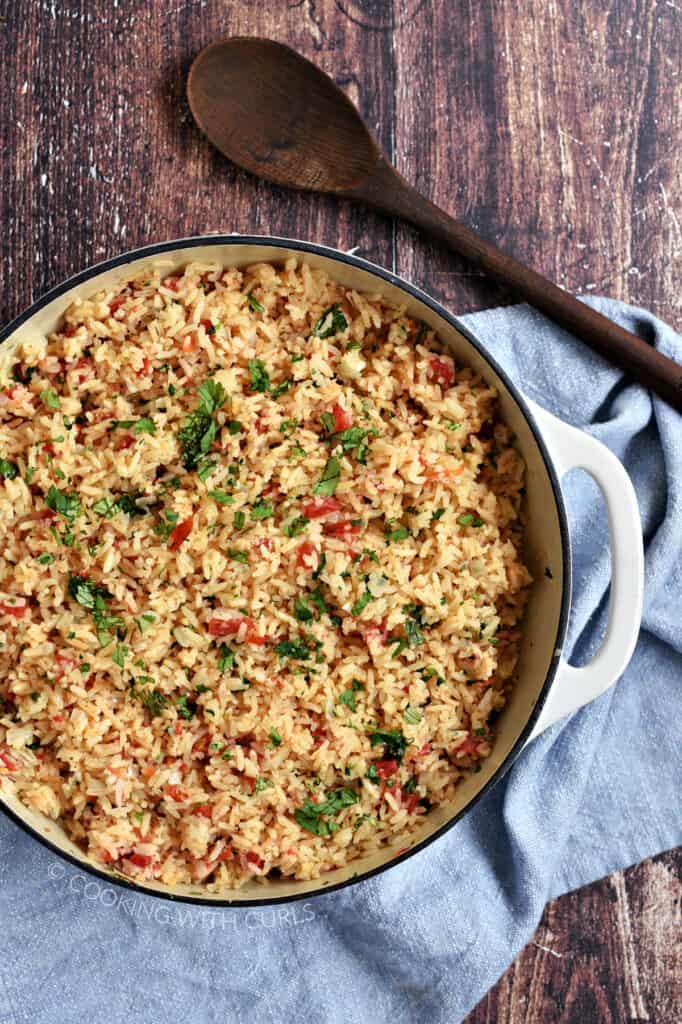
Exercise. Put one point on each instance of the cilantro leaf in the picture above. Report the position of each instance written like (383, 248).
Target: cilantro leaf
(329, 480)
(259, 376)
(331, 322)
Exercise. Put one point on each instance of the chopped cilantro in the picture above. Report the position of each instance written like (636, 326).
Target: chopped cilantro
(227, 658)
(412, 716)
(8, 470)
(46, 558)
(50, 398)
(222, 497)
(239, 520)
(261, 784)
(282, 388)
(145, 620)
(311, 816)
(287, 427)
(259, 376)
(395, 744)
(234, 427)
(254, 305)
(119, 655)
(331, 322)
(275, 738)
(400, 533)
(438, 514)
(361, 603)
(186, 707)
(261, 510)
(238, 556)
(293, 649)
(67, 505)
(295, 527)
(348, 696)
(205, 468)
(329, 480)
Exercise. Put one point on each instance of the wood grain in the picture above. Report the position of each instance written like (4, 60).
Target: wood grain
(607, 954)
(553, 127)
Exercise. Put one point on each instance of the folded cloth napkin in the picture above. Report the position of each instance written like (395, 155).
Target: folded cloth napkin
(425, 940)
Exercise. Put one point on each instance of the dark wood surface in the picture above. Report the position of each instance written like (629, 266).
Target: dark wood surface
(552, 127)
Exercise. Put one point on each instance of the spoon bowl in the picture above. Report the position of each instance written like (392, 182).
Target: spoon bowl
(272, 112)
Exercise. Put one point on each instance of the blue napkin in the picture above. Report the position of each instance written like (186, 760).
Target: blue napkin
(424, 941)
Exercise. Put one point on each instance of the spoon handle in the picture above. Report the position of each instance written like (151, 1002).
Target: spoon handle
(388, 191)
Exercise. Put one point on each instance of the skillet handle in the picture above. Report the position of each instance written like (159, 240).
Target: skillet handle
(572, 449)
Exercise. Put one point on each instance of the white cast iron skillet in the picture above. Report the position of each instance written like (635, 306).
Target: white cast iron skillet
(547, 687)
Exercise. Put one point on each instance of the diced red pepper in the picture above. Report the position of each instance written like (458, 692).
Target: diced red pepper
(321, 507)
(17, 611)
(342, 419)
(342, 528)
(227, 854)
(253, 858)
(65, 662)
(10, 764)
(228, 627)
(468, 747)
(442, 371)
(117, 303)
(385, 769)
(49, 449)
(180, 534)
(204, 810)
(305, 550)
(146, 367)
(176, 793)
(170, 282)
(124, 441)
(411, 803)
(140, 860)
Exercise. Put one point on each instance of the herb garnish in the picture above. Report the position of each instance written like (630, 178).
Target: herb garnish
(395, 744)
(259, 376)
(311, 816)
(8, 470)
(348, 696)
(199, 428)
(329, 480)
(331, 322)
(67, 505)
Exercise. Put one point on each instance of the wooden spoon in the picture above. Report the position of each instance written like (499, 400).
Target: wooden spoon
(272, 112)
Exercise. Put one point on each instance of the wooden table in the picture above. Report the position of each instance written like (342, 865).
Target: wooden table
(551, 126)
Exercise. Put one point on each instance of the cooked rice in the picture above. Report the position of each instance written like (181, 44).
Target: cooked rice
(235, 669)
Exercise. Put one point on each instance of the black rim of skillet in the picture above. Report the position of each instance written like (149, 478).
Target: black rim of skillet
(356, 261)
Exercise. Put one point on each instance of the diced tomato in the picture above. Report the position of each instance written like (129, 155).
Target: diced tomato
(170, 282)
(69, 331)
(261, 424)
(442, 371)
(17, 611)
(228, 627)
(321, 507)
(65, 662)
(253, 858)
(180, 533)
(385, 769)
(146, 367)
(377, 632)
(204, 810)
(411, 803)
(305, 550)
(117, 303)
(342, 528)
(176, 793)
(342, 419)
(271, 489)
(48, 448)
(190, 342)
(10, 764)
(423, 751)
(58, 719)
(124, 441)
(226, 854)
(208, 326)
(105, 857)
(140, 860)
(469, 747)
(148, 771)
